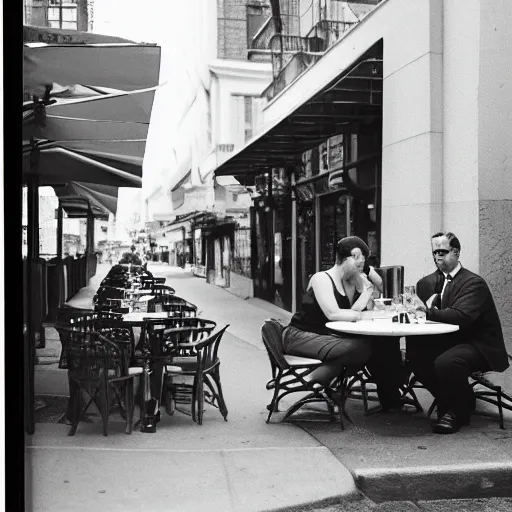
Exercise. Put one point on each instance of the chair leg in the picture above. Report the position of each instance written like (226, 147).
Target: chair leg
(222, 404)
(194, 398)
(500, 408)
(431, 408)
(104, 406)
(200, 399)
(364, 394)
(75, 408)
(129, 401)
(272, 407)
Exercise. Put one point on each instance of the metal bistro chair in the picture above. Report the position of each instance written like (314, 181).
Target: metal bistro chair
(157, 288)
(99, 362)
(176, 339)
(483, 389)
(360, 386)
(203, 364)
(147, 282)
(107, 292)
(175, 306)
(289, 376)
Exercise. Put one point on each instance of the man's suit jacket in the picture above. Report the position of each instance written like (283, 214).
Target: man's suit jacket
(469, 304)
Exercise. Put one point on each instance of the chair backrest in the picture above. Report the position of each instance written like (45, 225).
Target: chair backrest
(108, 292)
(392, 280)
(176, 321)
(178, 310)
(272, 336)
(207, 349)
(161, 289)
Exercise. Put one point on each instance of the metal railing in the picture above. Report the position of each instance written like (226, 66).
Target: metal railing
(326, 32)
(283, 47)
(261, 41)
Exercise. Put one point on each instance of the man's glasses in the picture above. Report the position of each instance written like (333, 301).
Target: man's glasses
(440, 252)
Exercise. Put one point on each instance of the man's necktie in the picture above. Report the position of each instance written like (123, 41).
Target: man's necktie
(446, 291)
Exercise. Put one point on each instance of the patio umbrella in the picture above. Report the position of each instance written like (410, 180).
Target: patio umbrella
(127, 67)
(55, 165)
(75, 148)
(101, 197)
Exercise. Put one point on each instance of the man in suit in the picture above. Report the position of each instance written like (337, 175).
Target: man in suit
(455, 295)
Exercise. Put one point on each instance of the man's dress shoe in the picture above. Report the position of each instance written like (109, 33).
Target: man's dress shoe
(446, 424)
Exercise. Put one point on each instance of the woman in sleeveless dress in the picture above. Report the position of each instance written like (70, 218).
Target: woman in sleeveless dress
(343, 293)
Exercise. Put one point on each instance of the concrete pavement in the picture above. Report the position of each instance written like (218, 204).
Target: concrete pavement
(245, 464)
(239, 465)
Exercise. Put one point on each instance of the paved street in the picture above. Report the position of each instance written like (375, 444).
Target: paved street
(464, 505)
(244, 464)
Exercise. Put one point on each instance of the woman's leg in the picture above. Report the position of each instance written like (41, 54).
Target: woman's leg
(336, 352)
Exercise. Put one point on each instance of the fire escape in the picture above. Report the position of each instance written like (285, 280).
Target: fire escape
(298, 33)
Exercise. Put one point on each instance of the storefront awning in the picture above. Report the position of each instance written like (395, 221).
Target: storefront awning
(351, 100)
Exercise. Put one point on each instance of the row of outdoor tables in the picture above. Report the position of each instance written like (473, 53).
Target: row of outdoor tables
(150, 350)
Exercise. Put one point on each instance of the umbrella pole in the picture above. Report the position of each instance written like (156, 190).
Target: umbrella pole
(59, 231)
(32, 255)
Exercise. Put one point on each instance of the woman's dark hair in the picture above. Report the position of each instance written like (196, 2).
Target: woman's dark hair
(452, 239)
(346, 245)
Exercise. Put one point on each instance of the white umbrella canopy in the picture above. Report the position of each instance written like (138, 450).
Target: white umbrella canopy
(123, 66)
(114, 116)
(103, 197)
(54, 165)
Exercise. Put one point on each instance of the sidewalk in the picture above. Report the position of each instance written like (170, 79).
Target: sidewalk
(239, 465)
(244, 464)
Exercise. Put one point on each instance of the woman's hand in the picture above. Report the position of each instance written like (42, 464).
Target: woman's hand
(367, 285)
(353, 316)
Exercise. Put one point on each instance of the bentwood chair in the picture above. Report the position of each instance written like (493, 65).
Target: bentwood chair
(289, 375)
(202, 364)
(484, 390)
(98, 364)
(175, 306)
(107, 292)
(361, 386)
(147, 282)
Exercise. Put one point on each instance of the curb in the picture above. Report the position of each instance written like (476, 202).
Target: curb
(456, 481)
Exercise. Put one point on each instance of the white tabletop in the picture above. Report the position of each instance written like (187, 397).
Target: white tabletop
(389, 328)
(139, 316)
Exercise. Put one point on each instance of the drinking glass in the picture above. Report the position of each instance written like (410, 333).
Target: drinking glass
(397, 303)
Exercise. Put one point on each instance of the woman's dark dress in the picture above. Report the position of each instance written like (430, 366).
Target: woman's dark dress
(307, 336)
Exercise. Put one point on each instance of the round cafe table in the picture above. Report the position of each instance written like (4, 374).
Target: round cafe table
(380, 327)
(386, 327)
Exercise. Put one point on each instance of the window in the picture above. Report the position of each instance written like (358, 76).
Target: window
(62, 14)
(248, 117)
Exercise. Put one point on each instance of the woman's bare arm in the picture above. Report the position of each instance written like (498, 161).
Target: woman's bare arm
(366, 289)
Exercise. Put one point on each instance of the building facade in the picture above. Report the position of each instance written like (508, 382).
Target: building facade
(205, 223)
(423, 147)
